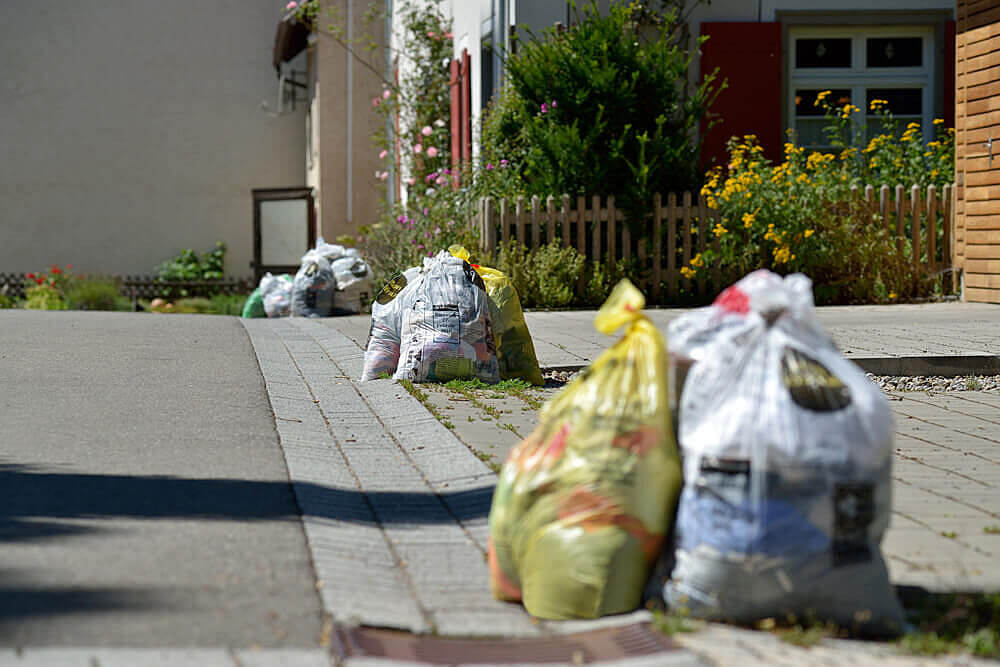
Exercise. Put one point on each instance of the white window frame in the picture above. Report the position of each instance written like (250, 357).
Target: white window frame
(858, 77)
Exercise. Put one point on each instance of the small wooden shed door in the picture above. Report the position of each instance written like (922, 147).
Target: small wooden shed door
(977, 148)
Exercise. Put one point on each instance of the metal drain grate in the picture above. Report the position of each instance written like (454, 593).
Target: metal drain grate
(606, 644)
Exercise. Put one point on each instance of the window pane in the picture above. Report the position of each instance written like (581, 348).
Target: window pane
(809, 132)
(284, 231)
(805, 101)
(895, 52)
(823, 52)
(899, 101)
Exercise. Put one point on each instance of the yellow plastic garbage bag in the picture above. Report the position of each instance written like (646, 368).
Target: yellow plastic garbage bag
(583, 503)
(515, 350)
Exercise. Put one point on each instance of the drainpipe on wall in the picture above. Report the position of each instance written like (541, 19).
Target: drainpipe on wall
(499, 41)
(350, 114)
(389, 130)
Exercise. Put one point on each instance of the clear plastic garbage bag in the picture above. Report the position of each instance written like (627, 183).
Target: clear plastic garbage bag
(314, 284)
(515, 349)
(382, 349)
(787, 451)
(583, 503)
(276, 295)
(445, 330)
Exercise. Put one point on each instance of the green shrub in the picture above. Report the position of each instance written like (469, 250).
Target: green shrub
(228, 304)
(545, 277)
(95, 294)
(43, 296)
(600, 108)
(6, 300)
(188, 266)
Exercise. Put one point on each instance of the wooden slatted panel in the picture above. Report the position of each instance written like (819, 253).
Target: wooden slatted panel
(976, 234)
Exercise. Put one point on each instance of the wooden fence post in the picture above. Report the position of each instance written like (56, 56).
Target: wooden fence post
(595, 213)
(520, 222)
(491, 228)
(564, 221)
(686, 233)
(612, 241)
(581, 237)
(899, 218)
(536, 222)
(947, 239)
(672, 244)
(504, 221)
(550, 219)
(915, 223)
(657, 245)
(932, 225)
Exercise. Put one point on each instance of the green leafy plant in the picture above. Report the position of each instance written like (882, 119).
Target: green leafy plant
(6, 300)
(187, 265)
(545, 277)
(43, 297)
(611, 88)
(95, 293)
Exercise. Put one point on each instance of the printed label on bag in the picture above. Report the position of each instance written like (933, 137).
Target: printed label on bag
(853, 513)
(811, 385)
(391, 289)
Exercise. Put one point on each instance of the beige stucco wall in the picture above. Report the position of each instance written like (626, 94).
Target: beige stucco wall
(348, 193)
(131, 129)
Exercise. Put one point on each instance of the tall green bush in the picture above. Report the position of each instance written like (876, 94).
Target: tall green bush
(600, 108)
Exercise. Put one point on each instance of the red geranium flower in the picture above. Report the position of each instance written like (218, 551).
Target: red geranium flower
(56, 270)
(39, 280)
(69, 267)
(29, 276)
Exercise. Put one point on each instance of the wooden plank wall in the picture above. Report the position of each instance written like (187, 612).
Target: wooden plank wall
(977, 121)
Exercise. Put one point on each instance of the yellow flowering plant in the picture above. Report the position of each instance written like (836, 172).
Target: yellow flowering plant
(800, 215)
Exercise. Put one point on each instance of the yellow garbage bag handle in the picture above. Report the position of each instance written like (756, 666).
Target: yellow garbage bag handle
(623, 306)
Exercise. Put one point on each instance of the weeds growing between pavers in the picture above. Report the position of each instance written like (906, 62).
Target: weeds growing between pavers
(422, 397)
(942, 623)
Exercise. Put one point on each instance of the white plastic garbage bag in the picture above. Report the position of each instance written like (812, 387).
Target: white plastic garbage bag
(382, 350)
(314, 285)
(276, 294)
(354, 283)
(787, 451)
(446, 332)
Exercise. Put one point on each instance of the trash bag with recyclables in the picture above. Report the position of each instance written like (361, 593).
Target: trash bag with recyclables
(314, 285)
(445, 330)
(254, 306)
(583, 503)
(787, 451)
(382, 349)
(515, 349)
(276, 295)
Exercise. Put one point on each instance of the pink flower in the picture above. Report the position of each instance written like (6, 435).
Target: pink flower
(545, 107)
(386, 94)
(374, 101)
(432, 152)
(431, 34)
(553, 104)
(411, 181)
(381, 156)
(431, 176)
(489, 166)
(420, 246)
(384, 175)
(448, 35)
(441, 180)
(417, 148)
(292, 5)
(427, 131)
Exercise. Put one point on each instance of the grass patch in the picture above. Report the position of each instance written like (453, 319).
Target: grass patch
(952, 622)
(950, 534)
(973, 383)
(422, 396)
(991, 530)
(673, 621)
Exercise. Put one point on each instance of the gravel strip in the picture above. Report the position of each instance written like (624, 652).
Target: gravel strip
(888, 383)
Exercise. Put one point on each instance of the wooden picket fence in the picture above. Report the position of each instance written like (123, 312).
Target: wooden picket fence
(145, 287)
(680, 225)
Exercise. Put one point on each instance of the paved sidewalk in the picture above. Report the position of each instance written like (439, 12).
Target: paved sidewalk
(433, 530)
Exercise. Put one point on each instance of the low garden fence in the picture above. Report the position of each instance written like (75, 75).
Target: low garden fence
(680, 225)
(147, 287)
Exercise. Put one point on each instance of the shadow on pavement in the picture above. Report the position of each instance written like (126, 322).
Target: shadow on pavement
(30, 498)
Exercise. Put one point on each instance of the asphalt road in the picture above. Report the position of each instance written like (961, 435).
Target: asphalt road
(144, 499)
